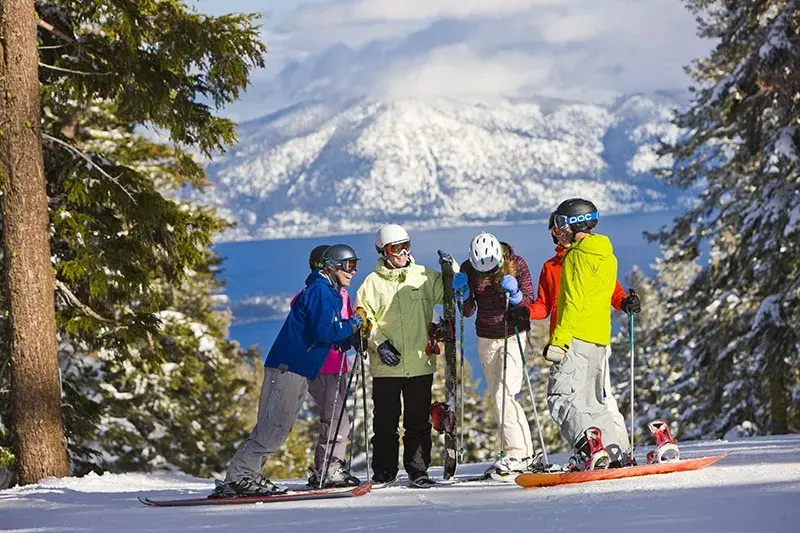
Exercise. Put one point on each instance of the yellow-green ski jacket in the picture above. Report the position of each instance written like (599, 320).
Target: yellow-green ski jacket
(588, 279)
(399, 303)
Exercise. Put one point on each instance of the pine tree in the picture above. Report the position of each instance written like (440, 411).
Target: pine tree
(27, 275)
(148, 378)
(738, 351)
(656, 330)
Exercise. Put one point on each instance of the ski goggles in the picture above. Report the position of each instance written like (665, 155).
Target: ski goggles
(562, 223)
(349, 265)
(400, 248)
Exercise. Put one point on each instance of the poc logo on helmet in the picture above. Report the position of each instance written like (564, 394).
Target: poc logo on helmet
(582, 218)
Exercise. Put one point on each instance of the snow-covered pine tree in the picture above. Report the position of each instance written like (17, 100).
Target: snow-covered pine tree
(657, 330)
(148, 378)
(739, 355)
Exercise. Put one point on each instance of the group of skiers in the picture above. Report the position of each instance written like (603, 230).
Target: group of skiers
(395, 305)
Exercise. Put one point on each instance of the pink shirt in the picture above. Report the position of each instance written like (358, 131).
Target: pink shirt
(333, 362)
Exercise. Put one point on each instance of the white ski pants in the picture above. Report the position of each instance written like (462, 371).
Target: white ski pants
(577, 399)
(516, 431)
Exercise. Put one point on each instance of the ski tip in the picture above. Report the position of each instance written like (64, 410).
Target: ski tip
(146, 501)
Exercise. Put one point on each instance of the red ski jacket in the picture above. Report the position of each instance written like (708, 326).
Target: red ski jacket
(549, 285)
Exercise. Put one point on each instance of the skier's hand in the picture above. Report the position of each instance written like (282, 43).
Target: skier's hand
(388, 354)
(358, 320)
(517, 315)
(366, 326)
(346, 344)
(444, 257)
(631, 304)
(461, 285)
(510, 286)
(554, 354)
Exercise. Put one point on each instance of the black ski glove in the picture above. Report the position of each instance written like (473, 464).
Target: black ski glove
(388, 354)
(631, 304)
(518, 315)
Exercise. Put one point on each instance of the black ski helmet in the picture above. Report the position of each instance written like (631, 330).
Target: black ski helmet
(338, 255)
(315, 258)
(578, 214)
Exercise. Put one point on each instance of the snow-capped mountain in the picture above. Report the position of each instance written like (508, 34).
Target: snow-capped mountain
(344, 166)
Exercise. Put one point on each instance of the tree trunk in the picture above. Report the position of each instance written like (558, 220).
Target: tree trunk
(35, 386)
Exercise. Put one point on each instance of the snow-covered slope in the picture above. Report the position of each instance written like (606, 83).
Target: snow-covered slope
(344, 166)
(755, 489)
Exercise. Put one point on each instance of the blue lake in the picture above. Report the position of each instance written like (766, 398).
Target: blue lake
(280, 266)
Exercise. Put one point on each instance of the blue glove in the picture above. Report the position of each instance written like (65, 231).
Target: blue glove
(461, 285)
(511, 287)
(388, 354)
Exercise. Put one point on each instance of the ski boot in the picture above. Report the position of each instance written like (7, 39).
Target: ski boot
(592, 454)
(256, 486)
(340, 476)
(666, 449)
(508, 466)
(444, 418)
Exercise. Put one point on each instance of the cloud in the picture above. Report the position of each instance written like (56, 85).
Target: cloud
(589, 50)
(361, 11)
(459, 70)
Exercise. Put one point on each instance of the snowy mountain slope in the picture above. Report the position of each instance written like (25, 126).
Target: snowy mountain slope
(755, 489)
(346, 166)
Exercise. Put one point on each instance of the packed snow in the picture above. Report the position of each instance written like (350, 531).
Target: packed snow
(756, 488)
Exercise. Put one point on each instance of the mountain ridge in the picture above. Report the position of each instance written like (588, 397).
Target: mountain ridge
(347, 165)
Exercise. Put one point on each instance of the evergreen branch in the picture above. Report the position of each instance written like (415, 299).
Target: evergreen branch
(89, 160)
(77, 303)
(55, 31)
(70, 71)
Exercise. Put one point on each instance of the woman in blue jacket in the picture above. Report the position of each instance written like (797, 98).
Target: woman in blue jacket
(314, 324)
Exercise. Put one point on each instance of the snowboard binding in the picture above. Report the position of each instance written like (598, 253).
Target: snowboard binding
(666, 448)
(592, 454)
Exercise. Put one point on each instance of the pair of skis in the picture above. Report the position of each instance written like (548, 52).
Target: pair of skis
(446, 415)
(292, 496)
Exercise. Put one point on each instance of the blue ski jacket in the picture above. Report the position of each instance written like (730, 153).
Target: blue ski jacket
(314, 324)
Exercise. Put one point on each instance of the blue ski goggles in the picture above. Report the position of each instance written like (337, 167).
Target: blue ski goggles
(563, 222)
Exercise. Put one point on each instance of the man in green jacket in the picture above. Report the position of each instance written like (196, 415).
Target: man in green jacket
(398, 298)
(577, 348)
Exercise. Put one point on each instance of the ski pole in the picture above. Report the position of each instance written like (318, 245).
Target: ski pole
(329, 451)
(461, 450)
(353, 424)
(364, 400)
(630, 333)
(505, 364)
(533, 398)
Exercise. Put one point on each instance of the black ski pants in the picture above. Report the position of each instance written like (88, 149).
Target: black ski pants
(416, 394)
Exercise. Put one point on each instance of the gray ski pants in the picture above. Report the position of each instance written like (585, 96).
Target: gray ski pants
(323, 390)
(575, 396)
(282, 396)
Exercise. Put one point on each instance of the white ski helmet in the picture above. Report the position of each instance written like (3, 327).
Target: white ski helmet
(485, 252)
(390, 234)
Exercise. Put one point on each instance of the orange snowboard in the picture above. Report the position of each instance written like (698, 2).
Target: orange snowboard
(562, 478)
